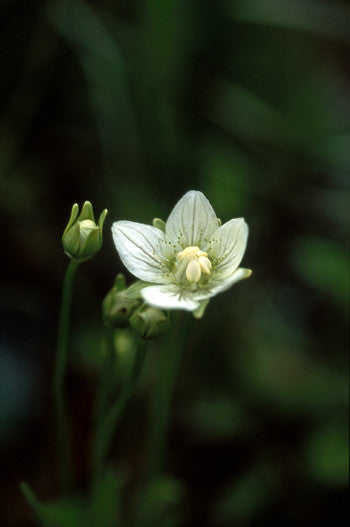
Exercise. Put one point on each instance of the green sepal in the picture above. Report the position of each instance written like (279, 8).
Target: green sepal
(101, 221)
(73, 216)
(71, 240)
(199, 312)
(247, 273)
(120, 282)
(159, 224)
(134, 291)
(87, 212)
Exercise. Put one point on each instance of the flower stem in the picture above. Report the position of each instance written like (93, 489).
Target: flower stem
(107, 374)
(168, 365)
(64, 457)
(108, 423)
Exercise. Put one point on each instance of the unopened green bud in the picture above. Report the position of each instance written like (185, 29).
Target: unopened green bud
(149, 322)
(82, 238)
(116, 308)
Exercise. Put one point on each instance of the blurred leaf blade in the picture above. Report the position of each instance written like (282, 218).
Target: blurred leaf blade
(324, 265)
(64, 513)
(324, 18)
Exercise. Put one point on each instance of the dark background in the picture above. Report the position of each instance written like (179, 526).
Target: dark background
(129, 104)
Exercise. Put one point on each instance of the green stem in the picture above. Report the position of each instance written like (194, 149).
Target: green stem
(64, 458)
(169, 361)
(108, 373)
(108, 424)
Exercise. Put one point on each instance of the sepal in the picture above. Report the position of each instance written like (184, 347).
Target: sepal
(199, 312)
(134, 291)
(159, 224)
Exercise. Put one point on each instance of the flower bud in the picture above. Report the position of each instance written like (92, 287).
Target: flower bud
(82, 238)
(149, 322)
(116, 308)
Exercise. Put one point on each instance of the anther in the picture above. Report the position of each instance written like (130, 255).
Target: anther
(196, 263)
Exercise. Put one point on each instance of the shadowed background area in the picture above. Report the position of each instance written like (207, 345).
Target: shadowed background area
(129, 105)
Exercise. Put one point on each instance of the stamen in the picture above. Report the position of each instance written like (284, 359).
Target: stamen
(193, 271)
(195, 262)
(189, 252)
(205, 264)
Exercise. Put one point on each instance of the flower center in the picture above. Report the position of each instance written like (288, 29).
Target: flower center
(194, 262)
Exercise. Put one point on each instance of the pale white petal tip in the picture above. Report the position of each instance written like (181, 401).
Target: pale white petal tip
(168, 297)
(192, 218)
(241, 274)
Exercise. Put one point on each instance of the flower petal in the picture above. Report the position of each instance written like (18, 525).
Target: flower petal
(191, 221)
(142, 250)
(219, 285)
(224, 284)
(226, 246)
(169, 296)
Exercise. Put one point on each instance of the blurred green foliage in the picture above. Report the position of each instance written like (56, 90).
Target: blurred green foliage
(102, 508)
(129, 105)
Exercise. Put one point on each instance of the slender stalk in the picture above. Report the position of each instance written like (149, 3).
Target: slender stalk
(64, 457)
(106, 383)
(168, 365)
(107, 425)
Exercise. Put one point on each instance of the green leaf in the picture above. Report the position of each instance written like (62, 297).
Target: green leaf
(105, 502)
(39, 508)
(65, 513)
(327, 456)
(315, 16)
(323, 264)
(161, 503)
(243, 499)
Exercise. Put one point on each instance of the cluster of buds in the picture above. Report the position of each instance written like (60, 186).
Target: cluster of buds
(116, 308)
(120, 310)
(82, 239)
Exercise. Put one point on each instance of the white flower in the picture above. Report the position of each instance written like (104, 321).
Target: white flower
(193, 260)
